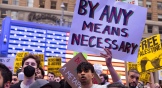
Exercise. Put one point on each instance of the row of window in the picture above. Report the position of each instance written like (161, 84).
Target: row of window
(150, 28)
(148, 4)
(149, 17)
(41, 3)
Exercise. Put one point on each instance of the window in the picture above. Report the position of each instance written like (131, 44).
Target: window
(5, 1)
(159, 5)
(159, 17)
(3, 13)
(148, 4)
(15, 2)
(140, 2)
(41, 3)
(66, 5)
(30, 3)
(160, 29)
(149, 29)
(148, 16)
(53, 4)
(14, 15)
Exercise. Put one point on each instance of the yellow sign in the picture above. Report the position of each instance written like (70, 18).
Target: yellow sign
(150, 55)
(18, 60)
(42, 60)
(131, 66)
(54, 64)
(144, 77)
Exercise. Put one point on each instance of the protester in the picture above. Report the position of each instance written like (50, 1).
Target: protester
(42, 83)
(85, 72)
(148, 84)
(140, 84)
(116, 85)
(104, 78)
(57, 79)
(5, 76)
(62, 83)
(51, 76)
(14, 79)
(30, 64)
(39, 74)
(133, 78)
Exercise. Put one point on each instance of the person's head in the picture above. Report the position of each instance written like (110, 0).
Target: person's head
(51, 76)
(30, 64)
(57, 79)
(5, 76)
(39, 73)
(116, 85)
(104, 78)
(157, 85)
(14, 79)
(85, 73)
(140, 84)
(148, 84)
(133, 78)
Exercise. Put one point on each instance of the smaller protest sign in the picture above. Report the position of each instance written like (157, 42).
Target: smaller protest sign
(144, 77)
(42, 60)
(131, 66)
(54, 64)
(150, 55)
(70, 73)
(9, 62)
(18, 60)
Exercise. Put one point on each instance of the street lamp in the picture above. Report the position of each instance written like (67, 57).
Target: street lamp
(62, 14)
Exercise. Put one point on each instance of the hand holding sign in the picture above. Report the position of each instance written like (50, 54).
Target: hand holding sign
(108, 56)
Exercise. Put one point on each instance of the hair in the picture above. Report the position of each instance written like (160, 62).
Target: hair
(14, 75)
(51, 73)
(42, 71)
(35, 57)
(6, 73)
(105, 76)
(85, 66)
(58, 76)
(133, 70)
(116, 84)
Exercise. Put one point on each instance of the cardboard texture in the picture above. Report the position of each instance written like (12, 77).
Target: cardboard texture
(70, 73)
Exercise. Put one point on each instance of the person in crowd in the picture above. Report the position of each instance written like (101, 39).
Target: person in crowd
(133, 78)
(140, 84)
(39, 74)
(116, 85)
(30, 64)
(104, 78)
(157, 85)
(42, 83)
(57, 79)
(51, 76)
(62, 83)
(85, 72)
(14, 79)
(148, 84)
(5, 76)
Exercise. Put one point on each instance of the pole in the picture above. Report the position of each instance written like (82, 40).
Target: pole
(126, 74)
(62, 16)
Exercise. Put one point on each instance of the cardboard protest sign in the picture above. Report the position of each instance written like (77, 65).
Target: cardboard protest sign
(42, 60)
(150, 55)
(109, 24)
(18, 60)
(135, 2)
(131, 66)
(54, 64)
(9, 62)
(144, 77)
(70, 73)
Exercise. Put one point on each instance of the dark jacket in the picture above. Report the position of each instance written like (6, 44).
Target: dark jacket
(16, 85)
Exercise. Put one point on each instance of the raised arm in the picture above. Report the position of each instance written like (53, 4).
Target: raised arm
(108, 58)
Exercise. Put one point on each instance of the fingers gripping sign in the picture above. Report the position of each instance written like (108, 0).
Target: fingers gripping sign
(107, 56)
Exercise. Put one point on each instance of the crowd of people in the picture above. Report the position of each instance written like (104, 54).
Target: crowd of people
(31, 76)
